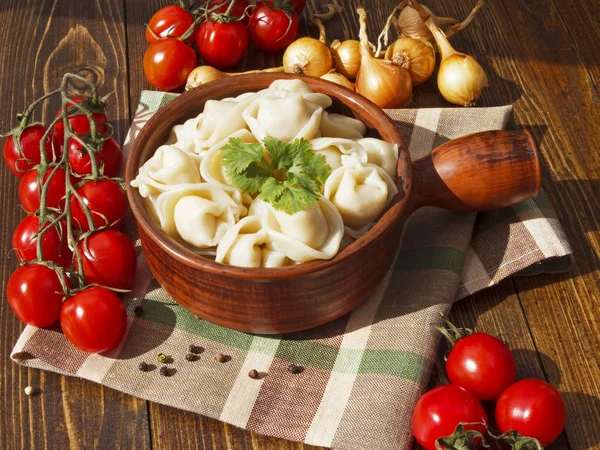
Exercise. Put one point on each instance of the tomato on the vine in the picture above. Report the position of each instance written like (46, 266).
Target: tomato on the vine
(30, 145)
(222, 45)
(273, 29)
(298, 5)
(29, 191)
(439, 411)
(169, 22)
(532, 407)
(35, 294)
(481, 364)
(109, 259)
(110, 156)
(238, 9)
(168, 62)
(79, 121)
(94, 320)
(55, 247)
(106, 201)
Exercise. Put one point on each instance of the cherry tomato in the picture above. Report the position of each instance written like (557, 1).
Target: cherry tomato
(94, 320)
(106, 202)
(532, 407)
(270, 29)
(440, 410)
(170, 22)
(222, 45)
(239, 8)
(298, 5)
(29, 191)
(108, 259)
(55, 247)
(35, 295)
(30, 144)
(168, 62)
(481, 364)
(79, 121)
(110, 155)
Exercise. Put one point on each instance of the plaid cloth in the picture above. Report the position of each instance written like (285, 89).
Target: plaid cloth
(362, 373)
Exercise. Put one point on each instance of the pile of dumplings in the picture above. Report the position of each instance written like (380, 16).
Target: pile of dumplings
(185, 187)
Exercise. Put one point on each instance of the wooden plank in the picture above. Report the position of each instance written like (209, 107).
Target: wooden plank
(45, 39)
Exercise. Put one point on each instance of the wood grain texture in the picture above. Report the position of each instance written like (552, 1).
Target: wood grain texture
(540, 55)
(45, 39)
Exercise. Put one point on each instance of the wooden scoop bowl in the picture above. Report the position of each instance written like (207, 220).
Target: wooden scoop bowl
(480, 172)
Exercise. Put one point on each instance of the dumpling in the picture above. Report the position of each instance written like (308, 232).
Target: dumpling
(334, 148)
(293, 85)
(198, 214)
(168, 168)
(360, 192)
(286, 118)
(340, 126)
(184, 136)
(305, 236)
(247, 244)
(280, 87)
(382, 154)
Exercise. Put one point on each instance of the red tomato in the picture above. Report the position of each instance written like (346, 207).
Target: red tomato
(170, 22)
(108, 259)
(94, 320)
(110, 155)
(168, 62)
(55, 247)
(298, 5)
(534, 408)
(440, 410)
(106, 201)
(35, 295)
(29, 191)
(270, 29)
(30, 144)
(79, 121)
(481, 364)
(222, 45)
(239, 8)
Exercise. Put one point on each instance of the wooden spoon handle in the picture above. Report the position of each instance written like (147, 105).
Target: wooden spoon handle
(479, 172)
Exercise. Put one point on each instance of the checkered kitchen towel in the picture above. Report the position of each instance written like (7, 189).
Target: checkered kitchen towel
(362, 373)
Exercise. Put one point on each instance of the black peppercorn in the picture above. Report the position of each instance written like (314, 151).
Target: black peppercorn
(195, 349)
(138, 311)
(143, 366)
(293, 368)
(190, 357)
(164, 371)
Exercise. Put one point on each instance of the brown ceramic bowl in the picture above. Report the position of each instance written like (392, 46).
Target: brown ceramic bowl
(479, 172)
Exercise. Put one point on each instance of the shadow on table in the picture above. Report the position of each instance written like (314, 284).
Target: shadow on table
(583, 418)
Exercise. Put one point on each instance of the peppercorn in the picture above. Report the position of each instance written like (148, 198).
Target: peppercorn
(253, 374)
(293, 368)
(164, 359)
(164, 371)
(222, 358)
(195, 349)
(138, 311)
(190, 357)
(143, 366)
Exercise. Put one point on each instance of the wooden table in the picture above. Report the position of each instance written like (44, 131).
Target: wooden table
(541, 55)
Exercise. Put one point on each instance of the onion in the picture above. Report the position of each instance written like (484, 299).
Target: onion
(205, 74)
(386, 85)
(411, 25)
(307, 56)
(346, 57)
(338, 78)
(415, 55)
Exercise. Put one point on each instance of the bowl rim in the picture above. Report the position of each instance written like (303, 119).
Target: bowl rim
(242, 84)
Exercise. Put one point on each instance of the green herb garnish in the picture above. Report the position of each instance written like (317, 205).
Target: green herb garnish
(287, 175)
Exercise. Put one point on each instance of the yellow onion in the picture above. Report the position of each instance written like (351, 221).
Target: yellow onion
(307, 56)
(338, 78)
(386, 85)
(346, 57)
(205, 74)
(410, 23)
(415, 55)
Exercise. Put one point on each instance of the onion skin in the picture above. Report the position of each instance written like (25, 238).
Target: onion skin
(416, 56)
(346, 57)
(461, 79)
(307, 56)
(340, 79)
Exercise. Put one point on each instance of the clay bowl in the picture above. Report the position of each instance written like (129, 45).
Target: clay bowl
(478, 172)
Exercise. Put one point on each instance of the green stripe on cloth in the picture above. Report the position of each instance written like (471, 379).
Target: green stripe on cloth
(391, 362)
(444, 258)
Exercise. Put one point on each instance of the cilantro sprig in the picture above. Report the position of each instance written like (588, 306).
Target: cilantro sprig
(287, 175)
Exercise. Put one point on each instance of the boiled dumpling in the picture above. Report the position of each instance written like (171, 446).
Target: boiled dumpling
(340, 126)
(168, 168)
(284, 88)
(305, 236)
(293, 85)
(360, 192)
(285, 118)
(333, 149)
(247, 244)
(184, 136)
(382, 154)
(198, 214)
